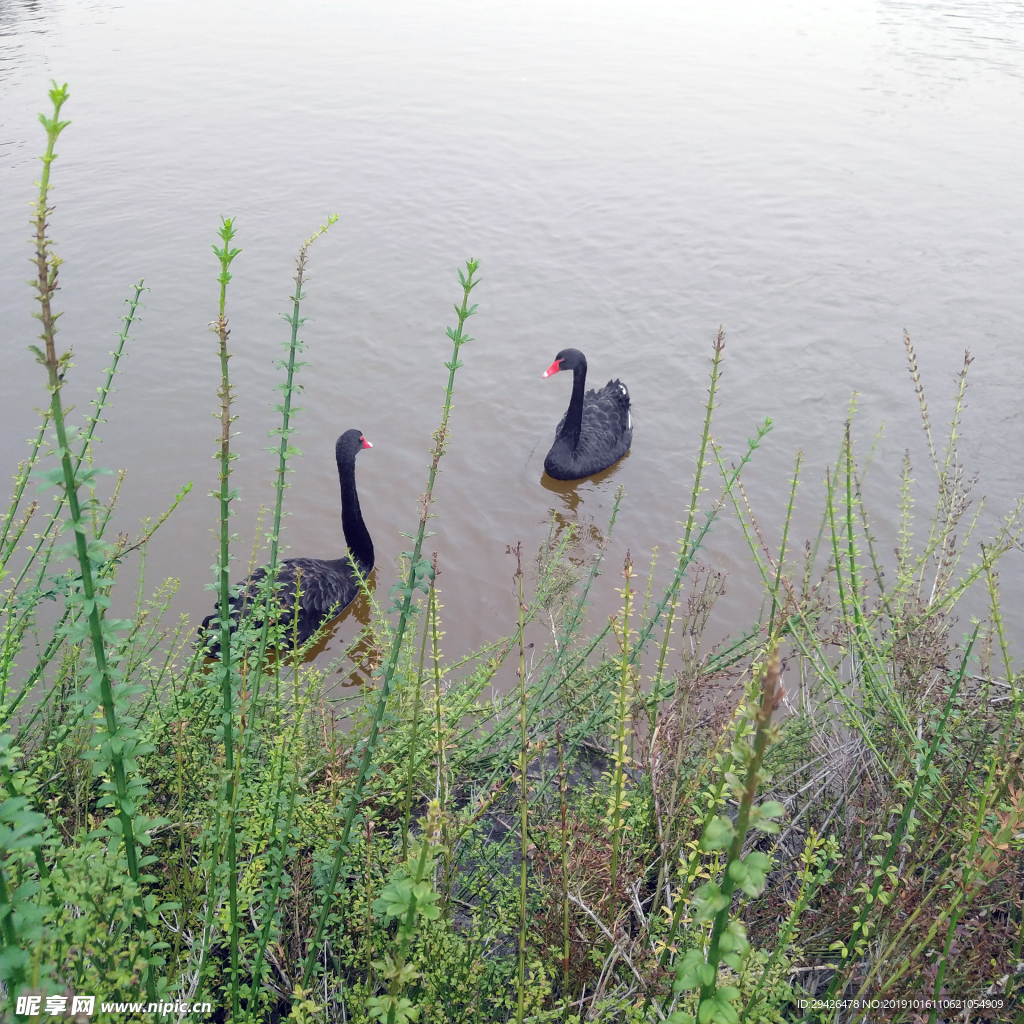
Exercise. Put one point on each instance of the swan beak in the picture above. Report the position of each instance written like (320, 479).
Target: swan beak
(366, 444)
(553, 368)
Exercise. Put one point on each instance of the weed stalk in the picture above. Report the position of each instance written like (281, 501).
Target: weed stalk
(117, 745)
(417, 578)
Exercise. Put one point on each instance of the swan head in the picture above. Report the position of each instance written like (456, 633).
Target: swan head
(567, 359)
(349, 443)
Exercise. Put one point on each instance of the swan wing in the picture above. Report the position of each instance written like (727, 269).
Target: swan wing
(326, 586)
(607, 425)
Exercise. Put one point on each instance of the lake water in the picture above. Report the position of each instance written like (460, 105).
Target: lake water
(815, 177)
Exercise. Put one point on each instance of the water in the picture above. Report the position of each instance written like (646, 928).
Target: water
(814, 177)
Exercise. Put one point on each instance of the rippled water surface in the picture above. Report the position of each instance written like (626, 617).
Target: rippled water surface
(814, 177)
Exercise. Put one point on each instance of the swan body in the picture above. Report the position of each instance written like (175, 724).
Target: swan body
(325, 586)
(597, 428)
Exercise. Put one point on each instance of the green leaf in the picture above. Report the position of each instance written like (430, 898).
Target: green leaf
(708, 901)
(718, 835)
(50, 478)
(734, 938)
(757, 867)
(718, 1008)
(737, 872)
(688, 970)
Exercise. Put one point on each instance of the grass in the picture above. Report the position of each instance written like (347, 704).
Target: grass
(822, 811)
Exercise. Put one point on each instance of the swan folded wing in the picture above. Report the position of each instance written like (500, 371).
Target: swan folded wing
(325, 591)
(606, 417)
(242, 603)
(248, 597)
(323, 588)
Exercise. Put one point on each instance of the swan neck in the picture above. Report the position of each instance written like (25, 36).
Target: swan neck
(574, 414)
(360, 547)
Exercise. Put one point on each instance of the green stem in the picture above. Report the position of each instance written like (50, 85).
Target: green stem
(83, 450)
(225, 256)
(565, 875)
(442, 782)
(113, 742)
(685, 550)
(285, 450)
(414, 727)
(7, 548)
(408, 927)
(275, 886)
(620, 742)
(415, 575)
(523, 794)
(762, 722)
(881, 873)
(776, 630)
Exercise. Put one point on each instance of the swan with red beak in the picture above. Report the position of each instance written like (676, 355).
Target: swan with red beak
(597, 428)
(310, 590)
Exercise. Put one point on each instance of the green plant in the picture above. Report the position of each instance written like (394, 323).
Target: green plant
(229, 678)
(116, 745)
(417, 579)
(524, 787)
(616, 801)
(409, 898)
(598, 829)
(712, 901)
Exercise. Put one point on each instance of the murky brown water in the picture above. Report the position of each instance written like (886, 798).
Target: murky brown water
(815, 178)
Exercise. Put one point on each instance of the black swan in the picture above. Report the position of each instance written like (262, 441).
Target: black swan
(596, 429)
(327, 586)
